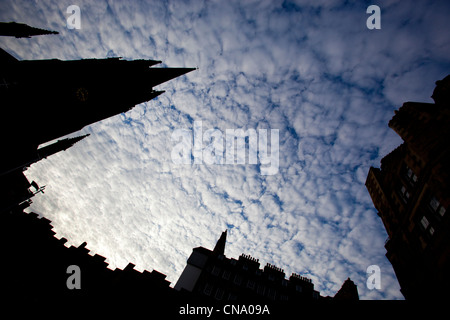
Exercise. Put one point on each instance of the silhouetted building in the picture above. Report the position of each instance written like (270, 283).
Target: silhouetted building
(210, 275)
(35, 268)
(43, 100)
(46, 99)
(21, 30)
(15, 189)
(348, 292)
(412, 195)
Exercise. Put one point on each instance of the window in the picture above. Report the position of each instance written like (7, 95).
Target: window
(431, 230)
(232, 297)
(434, 203)
(298, 288)
(284, 283)
(215, 271)
(261, 289)
(208, 289)
(424, 222)
(251, 284)
(284, 297)
(226, 275)
(272, 294)
(426, 225)
(238, 279)
(410, 175)
(436, 207)
(404, 194)
(219, 294)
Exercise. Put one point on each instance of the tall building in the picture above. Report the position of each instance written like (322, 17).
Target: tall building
(411, 192)
(209, 274)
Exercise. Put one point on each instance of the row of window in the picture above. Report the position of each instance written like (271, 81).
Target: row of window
(261, 290)
(219, 293)
(433, 212)
(411, 178)
(434, 204)
(251, 284)
(438, 211)
(227, 274)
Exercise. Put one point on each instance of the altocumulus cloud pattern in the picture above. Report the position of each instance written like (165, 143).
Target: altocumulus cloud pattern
(310, 69)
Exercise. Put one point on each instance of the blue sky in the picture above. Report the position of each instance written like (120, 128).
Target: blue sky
(310, 69)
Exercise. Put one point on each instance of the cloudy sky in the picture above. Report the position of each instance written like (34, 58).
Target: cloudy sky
(310, 69)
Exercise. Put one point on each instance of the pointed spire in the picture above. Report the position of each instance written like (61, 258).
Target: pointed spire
(21, 30)
(220, 245)
(23, 161)
(156, 76)
(60, 145)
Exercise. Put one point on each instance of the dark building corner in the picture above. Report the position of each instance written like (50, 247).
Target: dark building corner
(411, 193)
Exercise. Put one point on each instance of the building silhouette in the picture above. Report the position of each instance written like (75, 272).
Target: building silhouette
(412, 195)
(15, 189)
(21, 30)
(209, 274)
(43, 100)
(348, 292)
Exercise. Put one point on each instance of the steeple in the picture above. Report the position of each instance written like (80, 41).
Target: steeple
(21, 161)
(220, 245)
(21, 30)
(38, 107)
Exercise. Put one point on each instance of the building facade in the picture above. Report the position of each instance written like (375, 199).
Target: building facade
(210, 274)
(411, 193)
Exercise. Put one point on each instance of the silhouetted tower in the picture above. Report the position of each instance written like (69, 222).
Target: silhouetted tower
(220, 245)
(21, 30)
(43, 100)
(15, 189)
(22, 161)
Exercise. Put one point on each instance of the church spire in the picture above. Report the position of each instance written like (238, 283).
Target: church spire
(220, 245)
